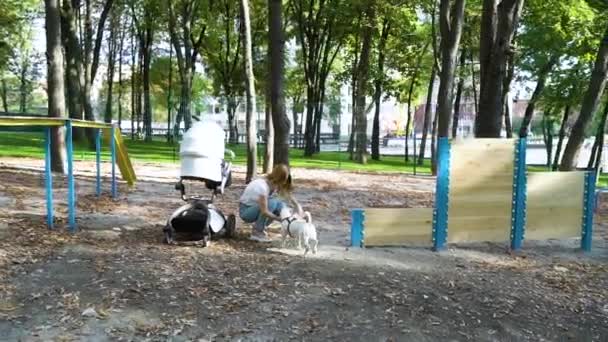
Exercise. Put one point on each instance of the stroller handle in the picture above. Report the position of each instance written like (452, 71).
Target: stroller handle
(230, 154)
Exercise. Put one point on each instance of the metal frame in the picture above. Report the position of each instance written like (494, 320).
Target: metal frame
(588, 208)
(69, 124)
(357, 227)
(518, 211)
(442, 192)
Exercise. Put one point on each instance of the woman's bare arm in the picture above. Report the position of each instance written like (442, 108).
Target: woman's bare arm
(263, 204)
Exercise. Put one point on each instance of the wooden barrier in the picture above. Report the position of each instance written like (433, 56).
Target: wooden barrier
(554, 205)
(398, 227)
(484, 194)
(480, 190)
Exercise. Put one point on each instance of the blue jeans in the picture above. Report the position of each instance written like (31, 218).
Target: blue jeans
(252, 213)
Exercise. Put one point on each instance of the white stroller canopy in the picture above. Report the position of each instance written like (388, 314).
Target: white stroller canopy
(202, 151)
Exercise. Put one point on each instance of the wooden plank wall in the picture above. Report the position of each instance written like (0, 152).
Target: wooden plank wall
(481, 188)
(398, 226)
(554, 205)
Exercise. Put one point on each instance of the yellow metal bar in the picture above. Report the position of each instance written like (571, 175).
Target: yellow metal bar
(30, 121)
(90, 124)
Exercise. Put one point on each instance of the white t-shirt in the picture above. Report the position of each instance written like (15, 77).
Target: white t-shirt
(254, 190)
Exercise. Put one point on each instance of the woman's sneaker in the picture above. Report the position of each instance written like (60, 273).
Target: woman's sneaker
(259, 237)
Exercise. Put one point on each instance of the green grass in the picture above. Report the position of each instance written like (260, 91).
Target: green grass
(30, 144)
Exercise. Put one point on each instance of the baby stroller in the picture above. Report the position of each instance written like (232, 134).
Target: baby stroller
(202, 160)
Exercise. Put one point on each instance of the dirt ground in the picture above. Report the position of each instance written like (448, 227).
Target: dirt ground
(115, 281)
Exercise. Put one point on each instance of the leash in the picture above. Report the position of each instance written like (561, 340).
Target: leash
(289, 221)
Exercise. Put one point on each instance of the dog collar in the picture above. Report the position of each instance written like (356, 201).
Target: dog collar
(289, 221)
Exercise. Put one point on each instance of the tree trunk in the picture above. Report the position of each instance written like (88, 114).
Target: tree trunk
(73, 62)
(561, 136)
(499, 23)
(386, 25)
(276, 49)
(133, 84)
(548, 139)
(408, 122)
(428, 113)
(451, 19)
(309, 135)
(23, 90)
(250, 93)
(540, 85)
(434, 143)
(596, 152)
(4, 96)
(120, 50)
(362, 76)
(597, 83)
(458, 94)
(474, 85)
(353, 84)
(147, 57)
(506, 87)
(110, 74)
(56, 95)
(269, 151)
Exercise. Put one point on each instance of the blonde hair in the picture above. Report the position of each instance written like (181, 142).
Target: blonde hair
(280, 179)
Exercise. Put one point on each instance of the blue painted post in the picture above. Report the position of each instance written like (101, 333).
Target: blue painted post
(98, 161)
(440, 214)
(48, 179)
(588, 204)
(113, 150)
(356, 228)
(71, 189)
(518, 209)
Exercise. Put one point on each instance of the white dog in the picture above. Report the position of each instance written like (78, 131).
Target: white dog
(299, 228)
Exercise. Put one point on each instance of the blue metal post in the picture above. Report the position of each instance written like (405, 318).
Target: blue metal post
(71, 189)
(356, 228)
(98, 161)
(48, 179)
(113, 149)
(588, 204)
(440, 214)
(518, 209)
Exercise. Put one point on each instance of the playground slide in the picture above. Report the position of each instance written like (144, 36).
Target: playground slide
(122, 158)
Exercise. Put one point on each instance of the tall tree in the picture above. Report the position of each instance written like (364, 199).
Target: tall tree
(113, 45)
(362, 77)
(187, 31)
(321, 37)
(277, 79)
(93, 39)
(498, 25)
(428, 114)
(145, 32)
(459, 88)
(597, 83)
(223, 52)
(55, 81)
(250, 92)
(73, 63)
(386, 27)
(451, 19)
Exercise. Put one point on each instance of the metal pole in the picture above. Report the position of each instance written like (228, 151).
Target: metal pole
(48, 179)
(98, 160)
(170, 89)
(113, 151)
(71, 189)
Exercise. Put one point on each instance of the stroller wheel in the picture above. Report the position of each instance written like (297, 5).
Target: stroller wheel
(231, 226)
(168, 238)
(206, 241)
